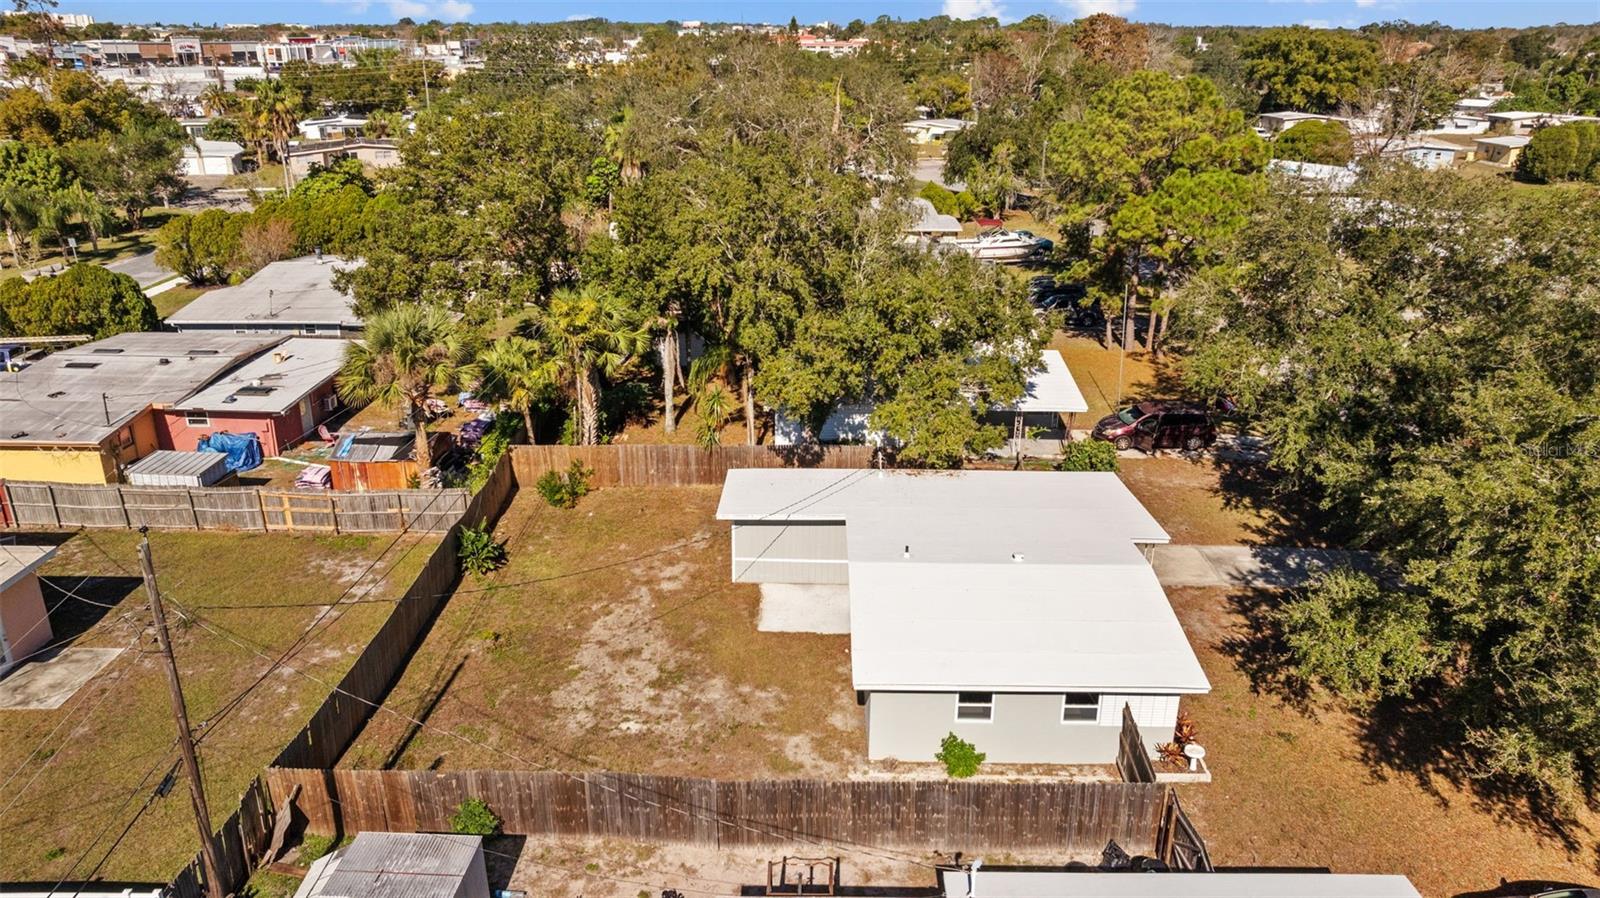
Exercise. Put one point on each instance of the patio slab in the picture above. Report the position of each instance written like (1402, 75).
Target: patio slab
(804, 608)
(46, 684)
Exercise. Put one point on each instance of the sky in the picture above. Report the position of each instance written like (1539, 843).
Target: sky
(1317, 13)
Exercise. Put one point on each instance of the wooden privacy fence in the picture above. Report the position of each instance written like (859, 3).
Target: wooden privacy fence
(678, 465)
(1178, 843)
(242, 839)
(1078, 818)
(231, 508)
(1133, 759)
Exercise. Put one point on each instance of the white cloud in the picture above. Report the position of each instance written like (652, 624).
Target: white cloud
(974, 9)
(581, 17)
(1317, 23)
(1366, 3)
(419, 10)
(454, 10)
(1081, 8)
(408, 9)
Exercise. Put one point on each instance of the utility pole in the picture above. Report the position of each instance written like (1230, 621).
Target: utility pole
(191, 764)
(427, 91)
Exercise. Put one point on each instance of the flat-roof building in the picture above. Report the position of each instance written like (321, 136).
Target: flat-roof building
(294, 296)
(1015, 609)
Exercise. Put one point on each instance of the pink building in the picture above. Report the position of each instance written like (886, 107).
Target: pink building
(24, 623)
(280, 395)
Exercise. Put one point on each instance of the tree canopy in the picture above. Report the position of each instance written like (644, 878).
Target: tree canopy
(1309, 69)
(84, 299)
(1322, 142)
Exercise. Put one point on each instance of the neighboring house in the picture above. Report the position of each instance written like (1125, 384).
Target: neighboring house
(1501, 150)
(1049, 394)
(1462, 123)
(211, 157)
(1428, 154)
(1271, 124)
(1477, 106)
(24, 623)
(294, 296)
(1337, 178)
(280, 395)
(400, 865)
(1521, 123)
(194, 127)
(977, 881)
(335, 127)
(930, 222)
(373, 152)
(80, 415)
(934, 130)
(1014, 609)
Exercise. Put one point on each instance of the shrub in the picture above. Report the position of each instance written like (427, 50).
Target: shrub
(943, 200)
(1087, 455)
(564, 490)
(473, 817)
(494, 444)
(479, 553)
(959, 757)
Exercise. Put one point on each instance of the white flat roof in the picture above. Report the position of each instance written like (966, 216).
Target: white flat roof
(223, 148)
(1051, 388)
(17, 562)
(816, 494)
(1511, 140)
(995, 581)
(273, 381)
(291, 292)
(1086, 884)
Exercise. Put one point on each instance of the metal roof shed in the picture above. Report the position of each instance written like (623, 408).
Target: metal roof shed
(169, 467)
(401, 865)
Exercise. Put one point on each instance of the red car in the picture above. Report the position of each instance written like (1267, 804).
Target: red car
(1157, 425)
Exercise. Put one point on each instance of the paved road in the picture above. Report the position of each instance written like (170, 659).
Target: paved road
(932, 169)
(1231, 566)
(142, 269)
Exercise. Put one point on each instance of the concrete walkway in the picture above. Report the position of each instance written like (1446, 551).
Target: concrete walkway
(47, 682)
(1271, 567)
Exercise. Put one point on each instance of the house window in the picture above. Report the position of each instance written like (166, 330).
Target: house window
(197, 419)
(975, 707)
(1080, 707)
(310, 330)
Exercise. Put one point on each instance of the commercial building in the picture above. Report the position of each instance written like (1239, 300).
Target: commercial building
(1014, 609)
(294, 296)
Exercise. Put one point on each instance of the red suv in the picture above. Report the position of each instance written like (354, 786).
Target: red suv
(1157, 425)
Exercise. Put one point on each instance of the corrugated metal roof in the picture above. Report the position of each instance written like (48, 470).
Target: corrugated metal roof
(402, 865)
(170, 467)
(1085, 884)
(292, 292)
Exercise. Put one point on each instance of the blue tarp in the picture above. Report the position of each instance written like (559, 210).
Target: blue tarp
(243, 449)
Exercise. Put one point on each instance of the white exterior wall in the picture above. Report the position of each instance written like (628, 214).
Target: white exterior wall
(1026, 727)
(789, 552)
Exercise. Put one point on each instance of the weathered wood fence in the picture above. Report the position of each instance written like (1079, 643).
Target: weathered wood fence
(243, 837)
(230, 508)
(1178, 844)
(678, 465)
(1133, 759)
(1075, 818)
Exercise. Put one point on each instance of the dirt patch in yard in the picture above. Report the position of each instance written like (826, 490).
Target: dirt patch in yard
(1209, 501)
(1300, 784)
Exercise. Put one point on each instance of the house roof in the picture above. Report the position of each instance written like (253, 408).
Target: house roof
(989, 580)
(1510, 140)
(1515, 115)
(292, 292)
(226, 149)
(937, 124)
(272, 382)
(1051, 388)
(80, 396)
(931, 220)
(376, 445)
(17, 562)
(992, 883)
(396, 865)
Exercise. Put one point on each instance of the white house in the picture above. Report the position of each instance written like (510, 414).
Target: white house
(1428, 154)
(1337, 178)
(212, 157)
(1014, 609)
(1520, 122)
(333, 127)
(933, 130)
(1275, 123)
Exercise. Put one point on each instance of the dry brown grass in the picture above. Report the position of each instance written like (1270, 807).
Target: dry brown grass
(1208, 501)
(1306, 787)
(1097, 371)
(614, 640)
(119, 724)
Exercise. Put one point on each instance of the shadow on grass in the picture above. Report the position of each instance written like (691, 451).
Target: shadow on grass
(1421, 737)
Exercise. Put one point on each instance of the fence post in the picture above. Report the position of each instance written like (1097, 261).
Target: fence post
(55, 509)
(193, 512)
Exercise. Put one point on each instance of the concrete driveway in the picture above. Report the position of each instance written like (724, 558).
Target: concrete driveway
(47, 683)
(142, 269)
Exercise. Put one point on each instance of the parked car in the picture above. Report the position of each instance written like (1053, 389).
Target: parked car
(1157, 425)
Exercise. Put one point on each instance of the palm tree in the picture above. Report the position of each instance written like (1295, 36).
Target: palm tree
(408, 352)
(95, 215)
(217, 100)
(512, 374)
(587, 334)
(277, 109)
(19, 209)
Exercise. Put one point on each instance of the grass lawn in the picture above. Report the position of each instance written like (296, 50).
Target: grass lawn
(118, 246)
(1096, 370)
(616, 641)
(1315, 787)
(1209, 501)
(171, 300)
(76, 787)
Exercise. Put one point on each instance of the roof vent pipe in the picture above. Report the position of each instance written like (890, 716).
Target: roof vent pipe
(906, 553)
(1017, 557)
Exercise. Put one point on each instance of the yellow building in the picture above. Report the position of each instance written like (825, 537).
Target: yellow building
(81, 415)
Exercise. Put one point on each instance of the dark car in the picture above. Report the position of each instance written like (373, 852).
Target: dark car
(1157, 425)
(1049, 296)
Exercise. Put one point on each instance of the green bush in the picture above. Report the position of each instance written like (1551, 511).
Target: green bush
(564, 490)
(1087, 455)
(479, 553)
(474, 818)
(494, 444)
(943, 200)
(959, 757)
